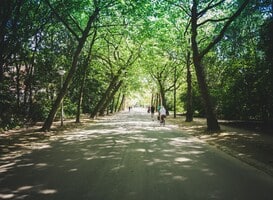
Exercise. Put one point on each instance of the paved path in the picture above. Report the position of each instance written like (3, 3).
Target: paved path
(129, 157)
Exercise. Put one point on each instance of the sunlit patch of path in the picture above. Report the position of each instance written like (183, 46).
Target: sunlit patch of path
(129, 156)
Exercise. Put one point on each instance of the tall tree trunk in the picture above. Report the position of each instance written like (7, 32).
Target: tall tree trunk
(110, 97)
(86, 64)
(157, 102)
(104, 96)
(112, 107)
(80, 98)
(121, 106)
(152, 99)
(117, 102)
(60, 97)
(212, 123)
(163, 98)
(189, 113)
(174, 92)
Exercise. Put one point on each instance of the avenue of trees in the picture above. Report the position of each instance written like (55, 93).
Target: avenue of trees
(210, 58)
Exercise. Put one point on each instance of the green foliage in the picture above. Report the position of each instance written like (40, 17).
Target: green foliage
(152, 33)
(40, 108)
(198, 108)
(8, 119)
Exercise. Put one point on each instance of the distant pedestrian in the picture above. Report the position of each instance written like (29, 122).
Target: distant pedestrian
(152, 111)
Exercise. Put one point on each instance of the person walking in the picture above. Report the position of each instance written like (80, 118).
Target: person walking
(152, 112)
(162, 113)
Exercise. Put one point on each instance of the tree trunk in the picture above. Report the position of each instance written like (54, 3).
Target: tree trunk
(103, 99)
(174, 93)
(121, 106)
(189, 113)
(163, 98)
(112, 107)
(110, 97)
(80, 98)
(117, 102)
(60, 97)
(87, 61)
(212, 123)
(152, 99)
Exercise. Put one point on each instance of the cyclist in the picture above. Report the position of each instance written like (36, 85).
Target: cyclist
(162, 113)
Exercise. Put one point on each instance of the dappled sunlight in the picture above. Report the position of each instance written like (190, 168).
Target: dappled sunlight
(47, 191)
(179, 178)
(123, 146)
(182, 159)
(25, 191)
(7, 196)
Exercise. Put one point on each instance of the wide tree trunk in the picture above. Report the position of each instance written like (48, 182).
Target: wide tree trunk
(212, 123)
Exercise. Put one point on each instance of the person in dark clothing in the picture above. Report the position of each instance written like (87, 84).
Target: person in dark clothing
(152, 111)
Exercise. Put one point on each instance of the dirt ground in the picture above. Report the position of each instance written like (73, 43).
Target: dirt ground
(254, 147)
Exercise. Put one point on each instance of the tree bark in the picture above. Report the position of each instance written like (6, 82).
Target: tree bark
(121, 106)
(163, 97)
(104, 97)
(110, 97)
(117, 102)
(86, 64)
(189, 113)
(174, 92)
(212, 123)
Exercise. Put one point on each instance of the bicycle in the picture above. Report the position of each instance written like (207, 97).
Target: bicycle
(162, 120)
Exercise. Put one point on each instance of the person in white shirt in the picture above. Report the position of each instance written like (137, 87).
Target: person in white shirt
(162, 114)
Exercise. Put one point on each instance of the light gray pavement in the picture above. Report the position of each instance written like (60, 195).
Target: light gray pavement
(128, 157)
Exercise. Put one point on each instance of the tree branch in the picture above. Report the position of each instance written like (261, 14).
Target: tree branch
(212, 20)
(76, 23)
(62, 20)
(201, 13)
(225, 27)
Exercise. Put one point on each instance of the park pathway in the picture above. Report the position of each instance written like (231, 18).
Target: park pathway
(129, 157)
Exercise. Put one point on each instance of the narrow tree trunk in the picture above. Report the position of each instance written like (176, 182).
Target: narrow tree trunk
(117, 102)
(174, 93)
(163, 98)
(157, 102)
(80, 98)
(121, 106)
(112, 105)
(189, 113)
(18, 86)
(152, 99)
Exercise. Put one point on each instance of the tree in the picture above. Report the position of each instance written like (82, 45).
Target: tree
(81, 39)
(199, 52)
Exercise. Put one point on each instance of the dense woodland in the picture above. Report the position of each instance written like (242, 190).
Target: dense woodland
(209, 58)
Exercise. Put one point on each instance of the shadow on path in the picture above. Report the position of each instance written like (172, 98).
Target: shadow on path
(128, 156)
